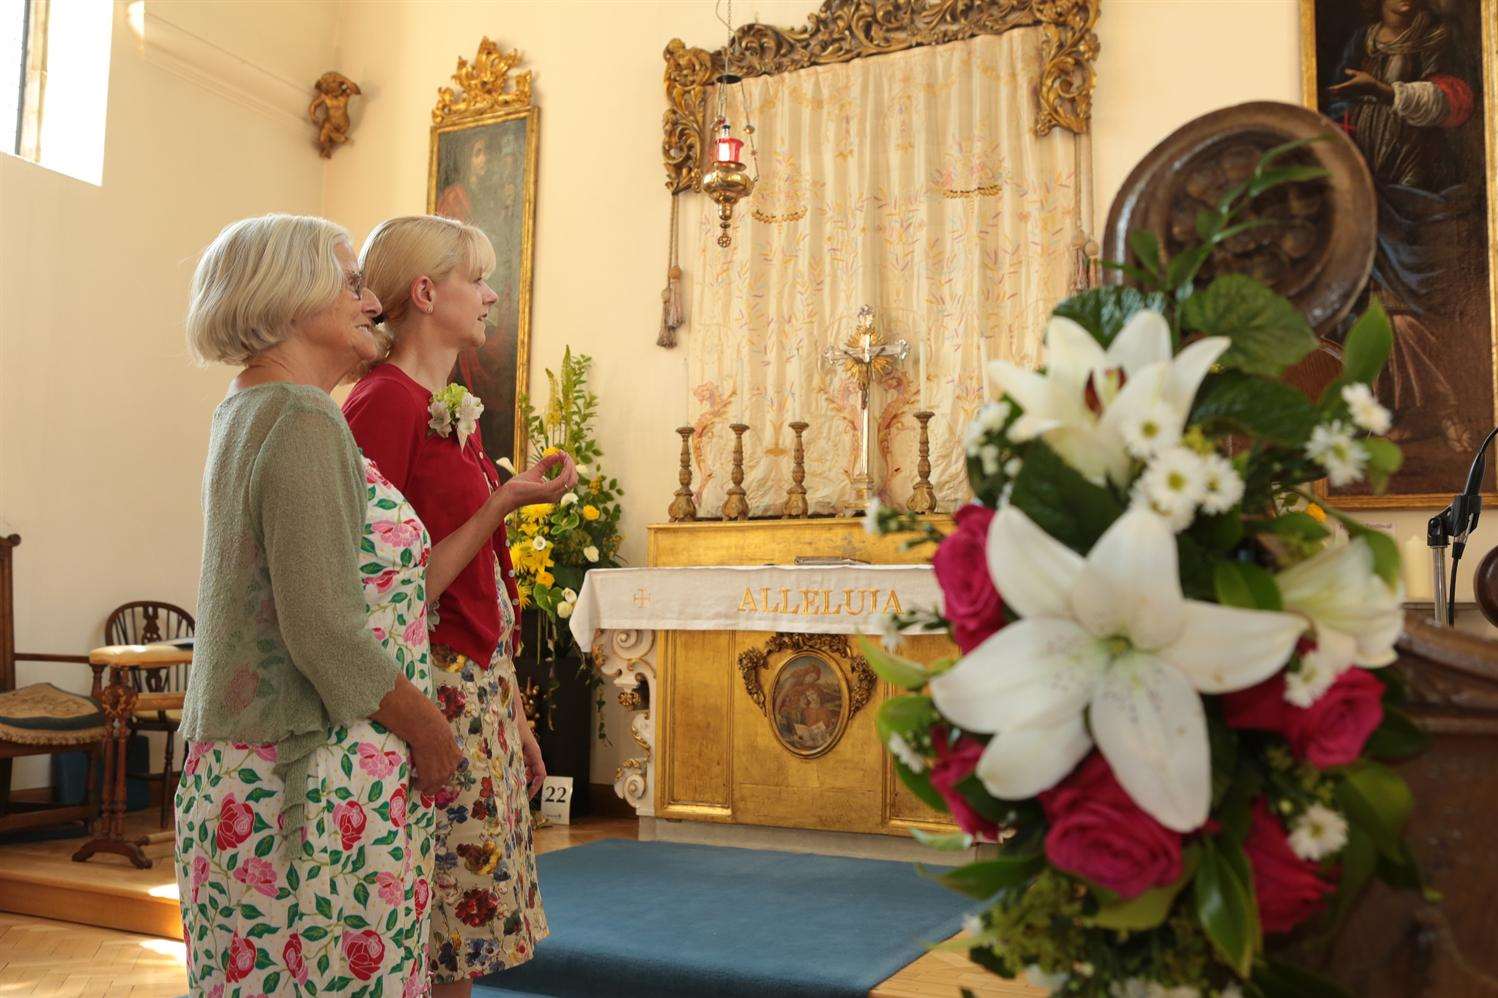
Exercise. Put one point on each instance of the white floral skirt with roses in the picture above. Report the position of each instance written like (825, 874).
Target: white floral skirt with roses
(345, 910)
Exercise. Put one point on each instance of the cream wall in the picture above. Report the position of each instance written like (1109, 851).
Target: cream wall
(103, 421)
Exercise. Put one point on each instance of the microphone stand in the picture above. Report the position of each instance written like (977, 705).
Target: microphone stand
(1455, 524)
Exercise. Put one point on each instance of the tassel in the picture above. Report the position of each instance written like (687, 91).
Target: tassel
(672, 315)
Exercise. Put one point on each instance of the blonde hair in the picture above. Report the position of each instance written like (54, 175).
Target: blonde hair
(257, 277)
(400, 250)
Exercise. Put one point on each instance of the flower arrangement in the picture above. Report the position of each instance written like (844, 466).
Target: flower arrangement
(1169, 707)
(454, 409)
(553, 545)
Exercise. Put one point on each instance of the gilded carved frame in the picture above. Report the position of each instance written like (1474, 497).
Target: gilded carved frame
(844, 30)
(856, 679)
(485, 92)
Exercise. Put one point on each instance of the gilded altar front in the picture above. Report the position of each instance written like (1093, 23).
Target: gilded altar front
(749, 726)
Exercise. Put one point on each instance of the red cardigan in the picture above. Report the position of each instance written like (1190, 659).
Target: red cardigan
(446, 484)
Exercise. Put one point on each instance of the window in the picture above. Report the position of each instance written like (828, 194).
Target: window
(54, 79)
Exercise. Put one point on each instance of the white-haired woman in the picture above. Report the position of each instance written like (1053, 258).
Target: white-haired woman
(303, 860)
(486, 907)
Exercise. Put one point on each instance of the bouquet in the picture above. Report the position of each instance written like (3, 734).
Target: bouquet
(553, 545)
(1170, 708)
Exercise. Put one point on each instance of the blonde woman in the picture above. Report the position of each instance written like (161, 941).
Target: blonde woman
(302, 859)
(486, 906)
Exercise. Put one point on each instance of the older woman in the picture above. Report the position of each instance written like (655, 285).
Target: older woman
(486, 908)
(302, 859)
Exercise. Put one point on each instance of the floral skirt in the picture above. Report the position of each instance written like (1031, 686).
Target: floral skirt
(486, 908)
(342, 910)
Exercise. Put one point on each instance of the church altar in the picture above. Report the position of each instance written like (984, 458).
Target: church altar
(752, 704)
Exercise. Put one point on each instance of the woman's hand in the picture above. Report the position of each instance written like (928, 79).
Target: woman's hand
(532, 485)
(413, 716)
(1359, 83)
(435, 757)
(535, 766)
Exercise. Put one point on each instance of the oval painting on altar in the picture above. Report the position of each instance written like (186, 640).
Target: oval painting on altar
(808, 705)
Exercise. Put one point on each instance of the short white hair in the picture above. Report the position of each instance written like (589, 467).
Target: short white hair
(256, 278)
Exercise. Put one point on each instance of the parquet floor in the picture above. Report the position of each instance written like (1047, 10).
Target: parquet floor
(45, 957)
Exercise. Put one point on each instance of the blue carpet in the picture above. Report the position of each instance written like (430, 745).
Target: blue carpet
(663, 918)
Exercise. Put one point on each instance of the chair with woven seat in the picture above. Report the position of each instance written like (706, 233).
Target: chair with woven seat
(40, 719)
(149, 622)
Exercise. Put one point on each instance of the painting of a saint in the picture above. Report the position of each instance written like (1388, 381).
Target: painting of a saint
(484, 174)
(807, 705)
(1404, 79)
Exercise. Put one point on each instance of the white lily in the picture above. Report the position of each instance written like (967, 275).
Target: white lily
(1110, 635)
(1356, 615)
(1087, 396)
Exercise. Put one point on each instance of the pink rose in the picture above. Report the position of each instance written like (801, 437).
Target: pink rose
(415, 986)
(264, 751)
(1098, 833)
(377, 763)
(258, 874)
(199, 876)
(349, 817)
(422, 893)
(242, 688)
(1330, 732)
(195, 753)
(241, 959)
(364, 952)
(383, 581)
(970, 601)
(398, 807)
(955, 763)
(416, 630)
(291, 955)
(1288, 889)
(235, 822)
(395, 534)
(390, 888)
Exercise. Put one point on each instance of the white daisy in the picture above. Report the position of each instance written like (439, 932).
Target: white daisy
(993, 416)
(889, 632)
(1305, 685)
(539, 543)
(1150, 431)
(1012, 467)
(1366, 411)
(1332, 446)
(1173, 485)
(992, 459)
(1318, 833)
(569, 499)
(900, 749)
(1221, 484)
(972, 438)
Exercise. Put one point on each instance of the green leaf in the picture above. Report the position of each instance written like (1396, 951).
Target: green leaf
(944, 841)
(249, 911)
(347, 765)
(1150, 908)
(1238, 402)
(1264, 180)
(898, 671)
(315, 932)
(265, 846)
(1061, 501)
(1365, 349)
(1145, 246)
(1398, 737)
(1267, 331)
(261, 929)
(1301, 526)
(1276, 979)
(1378, 800)
(263, 959)
(1103, 311)
(1246, 585)
(920, 785)
(1384, 458)
(324, 908)
(271, 980)
(1224, 905)
(1185, 266)
(356, 921)
(1358, 859)
(1386, 560)
(982, 880)
(361, 894)
(905, 715)
(248, 776)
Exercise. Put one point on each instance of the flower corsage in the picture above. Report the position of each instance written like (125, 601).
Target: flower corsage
(455, 408)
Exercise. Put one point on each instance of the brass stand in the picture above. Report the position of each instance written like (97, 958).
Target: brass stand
(736, 507)
(923, 497)
(795, 496)
(683, 507)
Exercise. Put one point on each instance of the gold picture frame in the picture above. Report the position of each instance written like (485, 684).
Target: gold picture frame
(1422, 474)
(489, 107)
(814, 685)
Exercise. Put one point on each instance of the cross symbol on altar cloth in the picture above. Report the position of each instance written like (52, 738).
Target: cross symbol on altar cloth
(642, 598)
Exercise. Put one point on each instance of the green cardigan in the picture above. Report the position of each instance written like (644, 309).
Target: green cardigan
(282, 653)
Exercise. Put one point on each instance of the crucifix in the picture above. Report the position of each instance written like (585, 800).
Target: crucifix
(864, 357)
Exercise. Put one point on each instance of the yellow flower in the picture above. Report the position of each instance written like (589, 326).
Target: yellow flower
(538, 510)
(544, 578)
(550, 451)
(590, 512)
(1316, 513)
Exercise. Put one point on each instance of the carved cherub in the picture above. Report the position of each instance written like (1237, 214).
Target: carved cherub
(334, 91)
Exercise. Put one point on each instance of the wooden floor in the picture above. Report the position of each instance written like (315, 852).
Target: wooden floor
(128, 946)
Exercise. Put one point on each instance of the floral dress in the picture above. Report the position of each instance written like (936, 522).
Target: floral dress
(344, 910)
(487, 911)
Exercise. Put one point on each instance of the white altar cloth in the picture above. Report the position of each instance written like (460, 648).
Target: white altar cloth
(804, 599)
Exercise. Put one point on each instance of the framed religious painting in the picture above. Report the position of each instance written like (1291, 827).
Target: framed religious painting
(808, 704)
(1412, 84)
(482, 170)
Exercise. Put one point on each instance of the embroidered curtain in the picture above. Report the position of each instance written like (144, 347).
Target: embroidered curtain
(913, 183)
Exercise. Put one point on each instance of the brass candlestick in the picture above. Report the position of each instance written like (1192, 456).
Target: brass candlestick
(736, 507)
(795, 496)
(683, 507)
(923, 498)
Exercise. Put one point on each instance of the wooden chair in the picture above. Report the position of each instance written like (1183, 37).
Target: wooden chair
(41, 719)
(146, 622)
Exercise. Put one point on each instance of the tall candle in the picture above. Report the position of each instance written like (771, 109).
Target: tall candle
(740, 389)
(983, 369)
(921, 371)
